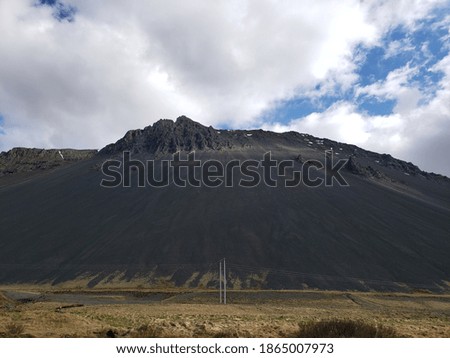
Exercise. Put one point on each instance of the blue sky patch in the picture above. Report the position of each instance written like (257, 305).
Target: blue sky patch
(300, 107)
(374, 106)
(419, 50)
(61, 11)
(372, 69)
(291, 109)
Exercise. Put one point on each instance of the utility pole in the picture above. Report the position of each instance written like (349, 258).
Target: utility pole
(220, 281)
(222, 285)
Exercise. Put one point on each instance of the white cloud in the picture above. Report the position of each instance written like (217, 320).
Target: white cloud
(125, 64)
(343, 123)
(397, 47)
(395, 81)
(414, 133)
(397, 86)
(388, 13)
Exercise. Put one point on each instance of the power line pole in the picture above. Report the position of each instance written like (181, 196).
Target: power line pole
(220, 281)
(224, 283)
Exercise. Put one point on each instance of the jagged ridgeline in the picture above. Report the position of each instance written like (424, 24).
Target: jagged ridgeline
(23, 160)
(387, 230)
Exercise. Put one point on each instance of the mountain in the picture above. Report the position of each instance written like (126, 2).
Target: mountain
(26, 162)
(387, 229)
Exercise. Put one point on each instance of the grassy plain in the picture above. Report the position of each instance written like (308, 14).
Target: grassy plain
(48, 312)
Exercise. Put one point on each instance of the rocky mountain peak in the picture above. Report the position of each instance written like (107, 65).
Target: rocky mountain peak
(166, 136)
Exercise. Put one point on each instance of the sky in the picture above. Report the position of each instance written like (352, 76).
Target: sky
(374, 73)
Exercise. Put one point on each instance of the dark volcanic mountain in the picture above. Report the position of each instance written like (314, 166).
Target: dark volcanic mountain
(26, 162)
(389, 229)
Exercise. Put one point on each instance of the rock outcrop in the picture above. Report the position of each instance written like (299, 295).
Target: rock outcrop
(20, 160)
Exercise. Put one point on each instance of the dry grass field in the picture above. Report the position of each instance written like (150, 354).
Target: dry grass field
(38, 312)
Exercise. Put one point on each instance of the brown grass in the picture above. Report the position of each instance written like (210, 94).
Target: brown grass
(147, 331)
(344, 328)
(107, 333)
(226, 333)
(14, 330)
(251, 314)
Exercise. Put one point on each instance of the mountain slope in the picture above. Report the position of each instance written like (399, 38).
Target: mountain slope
(388, 229)
(22, 163)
